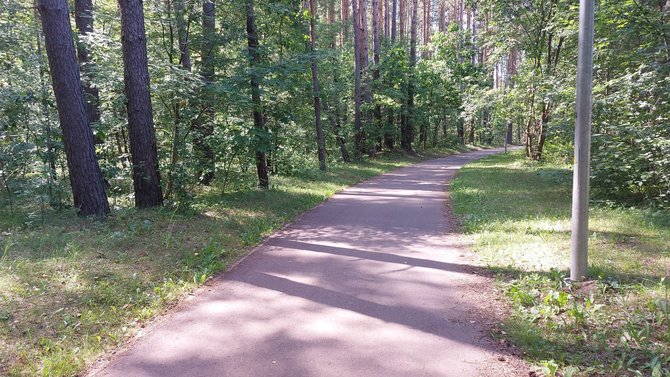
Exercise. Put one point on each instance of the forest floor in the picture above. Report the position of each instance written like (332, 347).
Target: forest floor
(375, 282)
(73, 289)
(517, 218)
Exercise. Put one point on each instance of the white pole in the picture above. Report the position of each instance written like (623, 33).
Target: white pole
(580, 188)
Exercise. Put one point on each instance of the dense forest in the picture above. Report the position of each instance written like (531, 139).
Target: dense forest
(146, 103)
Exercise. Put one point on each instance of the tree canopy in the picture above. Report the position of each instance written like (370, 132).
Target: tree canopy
(241, 87)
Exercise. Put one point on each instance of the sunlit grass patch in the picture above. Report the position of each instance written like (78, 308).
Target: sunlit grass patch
(517, 215)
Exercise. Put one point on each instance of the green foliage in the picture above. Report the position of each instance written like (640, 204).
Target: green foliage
(631, 97)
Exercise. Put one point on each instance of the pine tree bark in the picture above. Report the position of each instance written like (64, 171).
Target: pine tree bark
(402, 18)
(364, 53)
(203, 129)
(426, 21)
(389, 138)
(358, 128)
(84, 22)
(259, 121)
(394, 21)
(376, 40)
(380, 17)
(86, 180)
(365, 67)
(403, 106)
(346, 20)
(442, 24)
(316, 90)
(376, 52)
(387, 20)
(143, 149)
(408, 131)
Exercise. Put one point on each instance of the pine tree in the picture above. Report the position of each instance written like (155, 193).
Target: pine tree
(259, 122)
(86, 180)
(143, 149)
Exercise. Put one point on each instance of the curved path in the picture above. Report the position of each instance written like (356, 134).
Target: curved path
(371, 283)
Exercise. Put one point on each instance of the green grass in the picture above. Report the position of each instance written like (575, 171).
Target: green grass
(72, 289)
(517, 214)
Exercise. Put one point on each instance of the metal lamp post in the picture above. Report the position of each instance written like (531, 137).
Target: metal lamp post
(580, 188)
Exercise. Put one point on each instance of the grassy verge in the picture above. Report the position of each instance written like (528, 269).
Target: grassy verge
(71, 289)
(518, 216)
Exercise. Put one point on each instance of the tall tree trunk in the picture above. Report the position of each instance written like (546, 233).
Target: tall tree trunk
(389, 138)
(259, 121)
(542, 132)
(143, 149)
(528, 141)
(334, 117)
(380, 16)
(182, 35)
(316, 90)
(408, 132)
(84, 21)
(334, 114)
(364, 53)
(346, 20)
(402, 17)
(358, 127)
(426, 21)
(404, 137)
(376, 52)
(509, 83)
(365, 66)
(387, 20)
(394, 23)
(203, 127)
(473, 30)
(88, 188)
(185, 62)
(442, 23)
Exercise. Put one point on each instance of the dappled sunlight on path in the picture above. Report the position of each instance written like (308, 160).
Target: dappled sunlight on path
(371, 283)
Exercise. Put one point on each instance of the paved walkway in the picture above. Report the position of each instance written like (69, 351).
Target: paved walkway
(371, 283)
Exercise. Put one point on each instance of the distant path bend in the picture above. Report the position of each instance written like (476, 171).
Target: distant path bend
(371, 283)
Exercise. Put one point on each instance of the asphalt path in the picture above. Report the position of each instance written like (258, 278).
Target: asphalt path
(373, 282)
